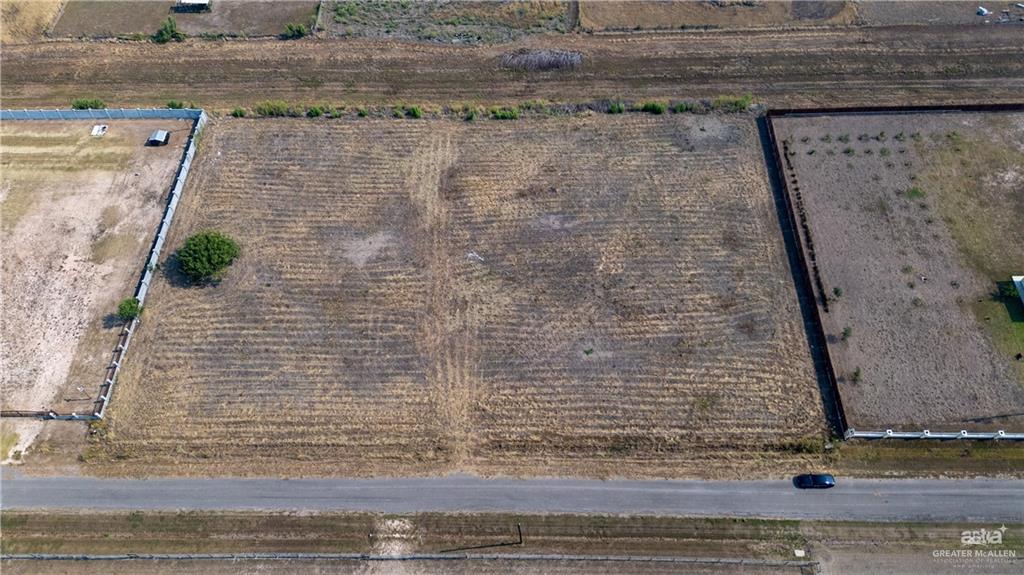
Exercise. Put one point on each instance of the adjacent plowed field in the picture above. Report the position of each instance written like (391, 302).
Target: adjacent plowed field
(597, 296)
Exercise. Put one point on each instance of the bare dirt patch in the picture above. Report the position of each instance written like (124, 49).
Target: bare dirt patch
(614, 15)
(78, 214)
(915, 220)
(99, 18)
(595, 295)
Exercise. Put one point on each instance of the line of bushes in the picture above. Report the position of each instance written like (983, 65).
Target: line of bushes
(725, 104)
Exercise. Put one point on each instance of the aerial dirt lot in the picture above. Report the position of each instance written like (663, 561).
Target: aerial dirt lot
(77, 215)
(103, 18)
(792, 68)
(565, 296)
(615, 15)
(26, 20)
(604, 15)
(915, 221)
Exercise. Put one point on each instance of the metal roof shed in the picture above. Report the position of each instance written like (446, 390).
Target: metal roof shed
(159, 138)
(1019, 282)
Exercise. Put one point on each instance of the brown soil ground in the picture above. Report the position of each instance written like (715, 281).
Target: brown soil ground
(26, 20)
(915, 219)
(835, 67)
(929, 12)
(453, 22)
(78, 214)
(106, 19)
(324, 567)
(612, 15)
(835, 547)
(582, 296)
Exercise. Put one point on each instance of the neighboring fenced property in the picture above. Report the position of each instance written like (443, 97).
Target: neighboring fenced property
(783, 158)
(124, 339)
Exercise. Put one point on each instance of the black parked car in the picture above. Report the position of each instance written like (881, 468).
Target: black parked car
(814, 481)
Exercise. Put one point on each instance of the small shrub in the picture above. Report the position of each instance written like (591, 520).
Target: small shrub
(844, 138)
(129, 309)
(293, 31)
(616, 108)
(206, 255)
(471, 114)
(884, 152)
(336, 112)
(856, 376)
(271, 108)
(362, 112)
(88, 104)
(504, 113)
(826, 138)
(915, 193)
(169, 31)
(733, 103)
(413, 112)
(837, 291)
(274, 108)
(314, 112)
(238, 112)
(175, 104)
(847, 332)
(848, 151)
(684, 107)
(656, 108)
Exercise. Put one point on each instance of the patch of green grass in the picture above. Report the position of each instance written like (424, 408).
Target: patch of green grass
(616, 108)
(914, 193)
(733, 103)
(110, 246)
(504, 113)
(88, 104)
(8, 439)
(16, 204)
(656, 108)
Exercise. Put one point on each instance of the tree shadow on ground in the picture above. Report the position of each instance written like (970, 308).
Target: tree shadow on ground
(112, 320)
(176, 276)
(1006, 293)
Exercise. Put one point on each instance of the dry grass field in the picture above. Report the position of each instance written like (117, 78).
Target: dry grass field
(915, 220)
(615, 15)
(594, 295)
(26, 20)
(103, 18)
(77, 215)
(455, 22)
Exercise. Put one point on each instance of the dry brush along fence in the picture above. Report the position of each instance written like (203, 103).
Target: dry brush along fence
(799, 227)
(125, 337)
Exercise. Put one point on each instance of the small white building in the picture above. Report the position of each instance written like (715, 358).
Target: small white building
(192, 5)
(1019, 282)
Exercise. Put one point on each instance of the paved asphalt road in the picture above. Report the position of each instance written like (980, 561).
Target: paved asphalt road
(852, 499)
